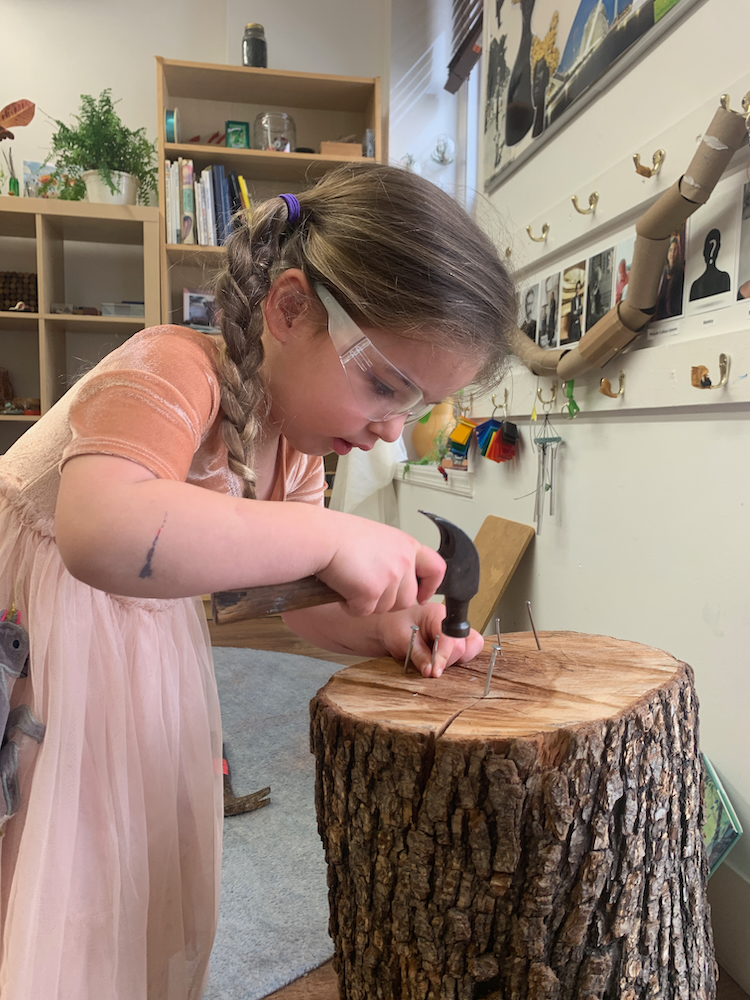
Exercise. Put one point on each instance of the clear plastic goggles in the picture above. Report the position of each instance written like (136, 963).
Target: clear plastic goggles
(382, 392)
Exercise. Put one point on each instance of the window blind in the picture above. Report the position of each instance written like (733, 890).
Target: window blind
(466, 42)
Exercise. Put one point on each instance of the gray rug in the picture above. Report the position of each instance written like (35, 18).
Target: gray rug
(273, 918)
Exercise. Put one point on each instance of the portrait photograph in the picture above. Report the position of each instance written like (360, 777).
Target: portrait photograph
(599, 291)
(527, 321)
(572, 303)
(623, 264)
(549, 311)
(743, 267)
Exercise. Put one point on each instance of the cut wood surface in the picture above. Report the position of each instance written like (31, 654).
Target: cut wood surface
(543, 842)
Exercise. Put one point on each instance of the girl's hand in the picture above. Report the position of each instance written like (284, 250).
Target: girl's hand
(395, 632)
(377, 568)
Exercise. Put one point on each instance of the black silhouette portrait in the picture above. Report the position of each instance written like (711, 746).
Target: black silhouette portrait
(712, 281)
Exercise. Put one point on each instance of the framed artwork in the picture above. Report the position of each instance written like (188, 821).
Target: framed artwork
(545, 60)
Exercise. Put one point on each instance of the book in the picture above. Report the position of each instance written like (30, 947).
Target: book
(721, 828)
(175, 235)
(208, 201)
(217, 184)
(168, 200)
(235, 199)
(188, 201)
(245, 196)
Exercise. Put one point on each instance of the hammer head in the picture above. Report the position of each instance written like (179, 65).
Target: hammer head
(461, 580)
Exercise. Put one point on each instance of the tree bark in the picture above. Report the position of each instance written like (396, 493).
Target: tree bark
(543, 842)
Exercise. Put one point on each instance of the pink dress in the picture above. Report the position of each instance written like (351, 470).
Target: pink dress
(109, 870)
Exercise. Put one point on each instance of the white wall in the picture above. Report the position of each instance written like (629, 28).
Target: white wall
(53, 53)
(650, 540)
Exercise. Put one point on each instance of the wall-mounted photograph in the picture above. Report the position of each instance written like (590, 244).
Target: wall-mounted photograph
(546, 59)
(599, 291)
(623, 264)
(743, 264)
(711, 265)
(572, 304)
(669, 303)
(529, 311)
(549, 311)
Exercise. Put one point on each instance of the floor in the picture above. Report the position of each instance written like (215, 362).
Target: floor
(271, 633)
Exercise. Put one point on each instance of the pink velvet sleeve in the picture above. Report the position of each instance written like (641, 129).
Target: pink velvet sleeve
(151, 401)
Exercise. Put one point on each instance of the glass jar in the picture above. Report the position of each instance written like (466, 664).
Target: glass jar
(254, 46)
(274, 130)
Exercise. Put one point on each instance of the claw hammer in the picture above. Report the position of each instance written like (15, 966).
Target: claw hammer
(459, 585)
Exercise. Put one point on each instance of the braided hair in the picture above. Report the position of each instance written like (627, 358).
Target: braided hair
(397, 252)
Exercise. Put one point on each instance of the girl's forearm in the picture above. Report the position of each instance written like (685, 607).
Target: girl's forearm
(330, 627)
(160, 538)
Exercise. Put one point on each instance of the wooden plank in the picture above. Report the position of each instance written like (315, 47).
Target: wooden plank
(501, 545)
(320, 984)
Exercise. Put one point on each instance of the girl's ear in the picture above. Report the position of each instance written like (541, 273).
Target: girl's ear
(287, 307)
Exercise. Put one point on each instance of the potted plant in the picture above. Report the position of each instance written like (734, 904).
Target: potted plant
(100, 157)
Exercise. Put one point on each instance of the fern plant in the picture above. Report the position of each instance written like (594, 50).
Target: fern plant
(99, 141)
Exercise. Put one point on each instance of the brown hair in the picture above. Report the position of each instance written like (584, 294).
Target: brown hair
(397, 252)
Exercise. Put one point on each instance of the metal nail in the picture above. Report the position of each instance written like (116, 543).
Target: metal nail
(497, 629)
(533, 626)
(414, 630)
(496, 648)
(434, 651)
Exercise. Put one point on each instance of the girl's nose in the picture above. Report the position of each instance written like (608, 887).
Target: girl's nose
(390, 429)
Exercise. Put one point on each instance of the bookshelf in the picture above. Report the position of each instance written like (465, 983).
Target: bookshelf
(323, 107)
(82, 254)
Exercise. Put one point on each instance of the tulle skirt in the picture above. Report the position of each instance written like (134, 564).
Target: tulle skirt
(109, 870)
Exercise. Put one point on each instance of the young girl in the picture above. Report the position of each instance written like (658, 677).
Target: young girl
(184, 464)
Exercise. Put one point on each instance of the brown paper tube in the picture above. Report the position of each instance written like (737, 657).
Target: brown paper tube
(604, 340)
(572, 364)
(633, 319)
(697, 374)
(728, 132)
(645, 272)
(666, 215)
(539, 361)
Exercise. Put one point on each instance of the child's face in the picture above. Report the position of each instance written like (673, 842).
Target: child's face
(312, 400)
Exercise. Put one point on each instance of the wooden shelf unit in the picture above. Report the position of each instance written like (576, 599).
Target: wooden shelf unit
(323, 107)
(36, 235)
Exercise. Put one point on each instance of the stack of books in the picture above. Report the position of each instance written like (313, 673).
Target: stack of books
(201, 209)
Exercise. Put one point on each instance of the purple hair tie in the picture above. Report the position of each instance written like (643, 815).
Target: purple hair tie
(293, 206)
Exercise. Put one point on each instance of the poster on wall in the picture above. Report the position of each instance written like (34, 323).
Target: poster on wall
(572, 304)
(545, 59)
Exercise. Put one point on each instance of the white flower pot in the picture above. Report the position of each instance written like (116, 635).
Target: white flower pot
(96, 190)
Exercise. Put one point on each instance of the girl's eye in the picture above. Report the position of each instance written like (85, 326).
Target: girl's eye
(380, 388)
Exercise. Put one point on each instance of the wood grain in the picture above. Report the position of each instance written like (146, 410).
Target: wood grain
(542, 843)
(501, 545)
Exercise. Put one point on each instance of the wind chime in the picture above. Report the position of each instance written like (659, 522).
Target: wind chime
(545, 439)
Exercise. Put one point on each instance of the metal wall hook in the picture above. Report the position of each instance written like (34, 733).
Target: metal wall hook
(699, 375)
(593, 201)
(550, 401)
(500, 406)
(538, 239)
(657, 160)
(605, 387)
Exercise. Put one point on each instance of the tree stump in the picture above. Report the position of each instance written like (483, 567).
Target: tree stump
(543, 842)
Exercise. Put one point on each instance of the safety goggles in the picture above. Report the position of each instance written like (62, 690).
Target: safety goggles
(382, 392)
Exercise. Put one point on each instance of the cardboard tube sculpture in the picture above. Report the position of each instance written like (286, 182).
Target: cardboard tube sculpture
(622, 324)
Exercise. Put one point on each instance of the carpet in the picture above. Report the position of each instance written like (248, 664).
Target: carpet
(273, 917)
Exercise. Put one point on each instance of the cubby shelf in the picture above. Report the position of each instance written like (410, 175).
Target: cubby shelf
(323, 107)
(35, 235)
